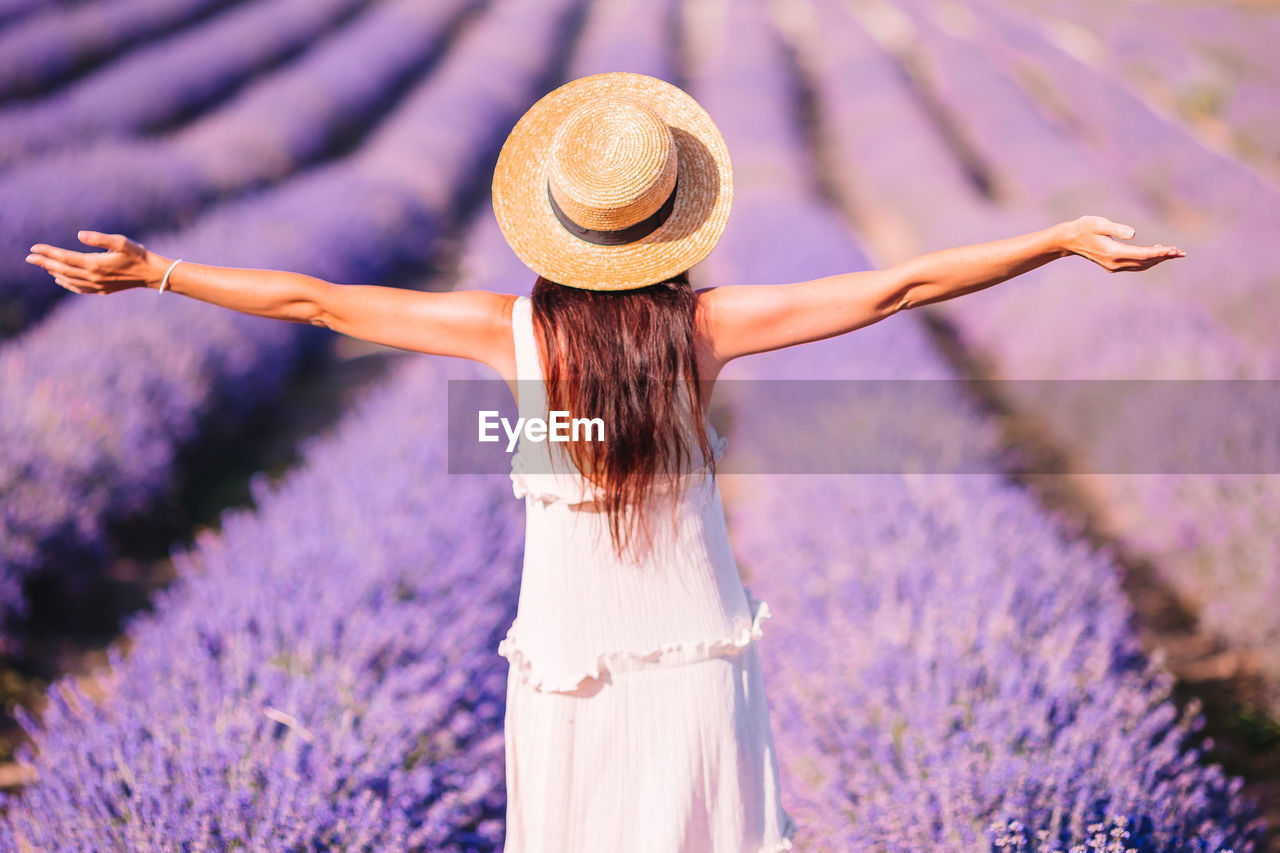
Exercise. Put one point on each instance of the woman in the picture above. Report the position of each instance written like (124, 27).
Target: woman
(636, 715)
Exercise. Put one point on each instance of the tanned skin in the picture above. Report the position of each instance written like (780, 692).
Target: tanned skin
(733, 320)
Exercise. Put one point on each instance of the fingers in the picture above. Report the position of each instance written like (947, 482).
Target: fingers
(1140, 264)
(1115, 256)
(1156, 252)
(1119, 231)
(87, 272)
(112, 242)
(66, 256)
(57, 268)
(73, 286)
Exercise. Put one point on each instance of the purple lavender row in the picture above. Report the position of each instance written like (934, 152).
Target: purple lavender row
(1221, 203)
(918, 194)
(1177, 520)
(976, 668)
(12, 10)
(1183, 43)
(165, 81)
(1054, 176)
(963, 660)
(1194, 193)
(624, 35)
(1211, 63)
(270, 131)
(44, 49)
(101, 398)
(403, 617)
(1212, 538)
(321, 676)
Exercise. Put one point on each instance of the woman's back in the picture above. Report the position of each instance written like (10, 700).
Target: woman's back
(584, 607)
(636, 717)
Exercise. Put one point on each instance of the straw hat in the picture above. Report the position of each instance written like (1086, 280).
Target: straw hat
(613, 182)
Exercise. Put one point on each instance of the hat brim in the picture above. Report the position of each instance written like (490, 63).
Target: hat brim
(704, 192)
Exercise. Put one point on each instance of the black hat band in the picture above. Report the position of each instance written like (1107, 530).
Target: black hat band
(619, 236)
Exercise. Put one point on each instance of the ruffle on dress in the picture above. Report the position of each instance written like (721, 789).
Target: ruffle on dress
(574, 488)
(672, 654)
(789, 831)
(784, 844)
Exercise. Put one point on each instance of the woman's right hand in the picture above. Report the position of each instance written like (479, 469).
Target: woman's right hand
(1098, 239)
(126, 264)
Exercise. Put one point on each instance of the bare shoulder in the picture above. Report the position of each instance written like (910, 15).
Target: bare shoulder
(710, 318)
(729, 317)
(498, 311)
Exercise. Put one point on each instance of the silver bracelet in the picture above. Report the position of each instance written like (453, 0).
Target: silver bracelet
(165, 282)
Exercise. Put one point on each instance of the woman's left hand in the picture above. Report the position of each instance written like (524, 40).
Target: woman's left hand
(126, 264)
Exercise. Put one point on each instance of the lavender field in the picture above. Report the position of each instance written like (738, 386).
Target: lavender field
(243, 605)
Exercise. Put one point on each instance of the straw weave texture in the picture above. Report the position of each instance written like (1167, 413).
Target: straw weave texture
(610, 147)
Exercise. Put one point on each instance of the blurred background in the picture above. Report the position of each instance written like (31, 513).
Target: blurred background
(243, 604)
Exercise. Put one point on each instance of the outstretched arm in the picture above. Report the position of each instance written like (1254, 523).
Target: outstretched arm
(466, 323)
(745, 319)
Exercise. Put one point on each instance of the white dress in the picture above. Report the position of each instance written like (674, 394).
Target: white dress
(636, 717)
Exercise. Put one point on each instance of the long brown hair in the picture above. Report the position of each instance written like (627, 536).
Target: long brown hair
(625, 356)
